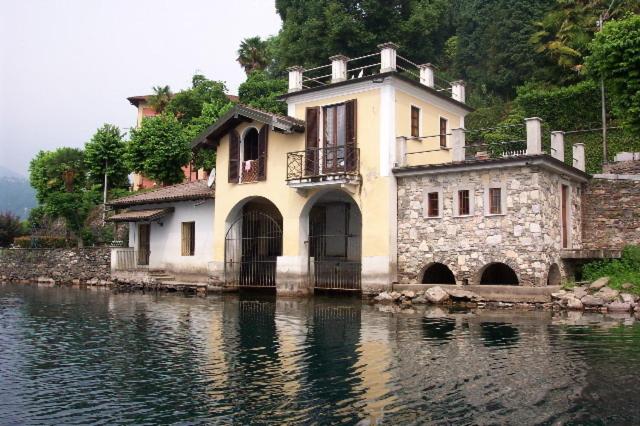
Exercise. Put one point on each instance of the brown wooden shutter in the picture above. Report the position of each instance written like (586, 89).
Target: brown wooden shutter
(443, 132)
(263, 139)
(312, 117)
(351, 139)
(234, 156)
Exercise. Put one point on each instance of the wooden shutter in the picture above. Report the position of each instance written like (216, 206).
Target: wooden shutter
(234, 156)
(188, 238)
(312, 118)
(443, 132)
(351, 130)
(263, 139)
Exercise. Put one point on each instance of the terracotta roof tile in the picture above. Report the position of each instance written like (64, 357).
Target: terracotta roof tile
(140, 215)
(196, 190)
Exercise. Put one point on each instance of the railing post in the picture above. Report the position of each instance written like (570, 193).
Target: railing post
(387, 56)
(457, 145)
(578, 156)
(557, 145)
(295, 78)
(401, 151)
(458, 91)
(534, 135)
(427, 75)
(338, 68)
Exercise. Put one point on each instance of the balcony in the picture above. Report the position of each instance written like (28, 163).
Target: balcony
(328, 166)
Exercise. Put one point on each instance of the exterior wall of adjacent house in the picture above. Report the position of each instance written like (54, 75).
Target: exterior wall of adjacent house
(527, 236)
(165, 238)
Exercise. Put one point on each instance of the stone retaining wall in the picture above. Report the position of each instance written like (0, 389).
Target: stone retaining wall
(59, 266)
(611, 213)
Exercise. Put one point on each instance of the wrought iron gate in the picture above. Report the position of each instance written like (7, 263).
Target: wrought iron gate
(334, 257)
(251, 248)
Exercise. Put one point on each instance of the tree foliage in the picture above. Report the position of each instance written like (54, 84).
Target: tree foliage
(187, 105)
(105, 153)
(160, 99)
(61, 170)
(159, 149)
(616, 57)
(253, 54)
(10, 228)
(262, 91)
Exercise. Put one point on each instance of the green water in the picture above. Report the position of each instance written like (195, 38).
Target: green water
(92, 356)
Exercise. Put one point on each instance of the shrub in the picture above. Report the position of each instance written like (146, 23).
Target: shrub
(44, 242)
(620, 271)
(10, 227)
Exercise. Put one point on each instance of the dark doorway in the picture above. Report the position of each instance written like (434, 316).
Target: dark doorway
(438, 273)
(144, 243)
(500, 274)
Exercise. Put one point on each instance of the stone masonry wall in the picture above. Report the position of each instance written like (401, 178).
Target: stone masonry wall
(611, 213)
(527, 237)
(56, 265)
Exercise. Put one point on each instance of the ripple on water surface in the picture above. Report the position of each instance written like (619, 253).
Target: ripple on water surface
(91, 356)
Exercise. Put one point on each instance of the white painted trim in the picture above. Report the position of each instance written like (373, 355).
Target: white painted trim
(331, 92)
(425, 202)
(387, 129)
(472, 200)
(427, 97)
(291, 109)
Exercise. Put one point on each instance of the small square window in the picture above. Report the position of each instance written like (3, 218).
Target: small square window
(495, 200)
(415, 121)
(433, 204)
(464, 208)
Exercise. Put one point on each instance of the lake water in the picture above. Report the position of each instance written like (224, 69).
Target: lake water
(92, 356)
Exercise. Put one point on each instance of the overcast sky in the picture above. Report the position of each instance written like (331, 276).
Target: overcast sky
(67, 66)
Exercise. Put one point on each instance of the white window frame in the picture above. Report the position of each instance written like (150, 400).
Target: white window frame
(503, 199)
(472, 202)
(425, 202)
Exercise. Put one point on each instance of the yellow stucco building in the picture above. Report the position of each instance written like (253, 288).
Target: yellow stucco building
(308, 200)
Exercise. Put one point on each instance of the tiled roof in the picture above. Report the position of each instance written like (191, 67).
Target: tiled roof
(231, 119)
(140, 215)
(196, 190)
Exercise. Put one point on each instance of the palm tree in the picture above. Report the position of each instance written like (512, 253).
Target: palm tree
(252, 54)
(160, 98)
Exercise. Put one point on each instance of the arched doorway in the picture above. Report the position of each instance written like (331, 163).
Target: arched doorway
(554, 277)
(438, 273)
(252, 245)
(498, 273)
(335, 258)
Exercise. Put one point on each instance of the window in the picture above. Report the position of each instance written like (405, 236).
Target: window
(415, 121)
(188, 238)
(339, 137)
(495, 200)
(443, 132)
(464, 208)
(250, 145)
(433, 204)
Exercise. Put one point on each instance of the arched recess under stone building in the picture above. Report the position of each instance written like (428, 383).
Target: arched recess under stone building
(438, 273)
(498, 273)
(554, 277)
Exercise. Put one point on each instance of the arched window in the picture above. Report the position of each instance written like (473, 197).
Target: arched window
(250, 143)
(554, 277)
(499, 273)
(438, 273)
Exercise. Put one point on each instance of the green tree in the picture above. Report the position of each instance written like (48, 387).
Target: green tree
(205, 158)
(105, 153)
(187, 105)
(158, 149)
(262, 91)
(160, 99)
(10, 228)
(62, 170)
(253, 54)
(615, 56)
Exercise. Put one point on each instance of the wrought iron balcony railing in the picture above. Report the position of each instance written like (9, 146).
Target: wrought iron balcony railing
(317, 164)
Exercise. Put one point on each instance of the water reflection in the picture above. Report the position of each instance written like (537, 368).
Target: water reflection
(69, 355)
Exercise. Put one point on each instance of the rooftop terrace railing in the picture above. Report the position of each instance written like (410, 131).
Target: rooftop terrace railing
(343, 68)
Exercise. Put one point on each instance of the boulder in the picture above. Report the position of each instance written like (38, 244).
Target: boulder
(395, 295)
(627, 298)
(436, 295)
(627, 286)
(574, 304)
(460, 294)
(579, 292)
(419, 300)
(591, 301)
(619, 307)
(562, 294)
(599, 283)
(383, 297)
(409, 294)
(607, 294)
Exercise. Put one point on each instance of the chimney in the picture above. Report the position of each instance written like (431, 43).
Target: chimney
(295, 78)
(557, 145)
(338, 68)
(534, 135)
(578, 156)
(427, 75)
(457, 91)
(387, 56)
(457, 145)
